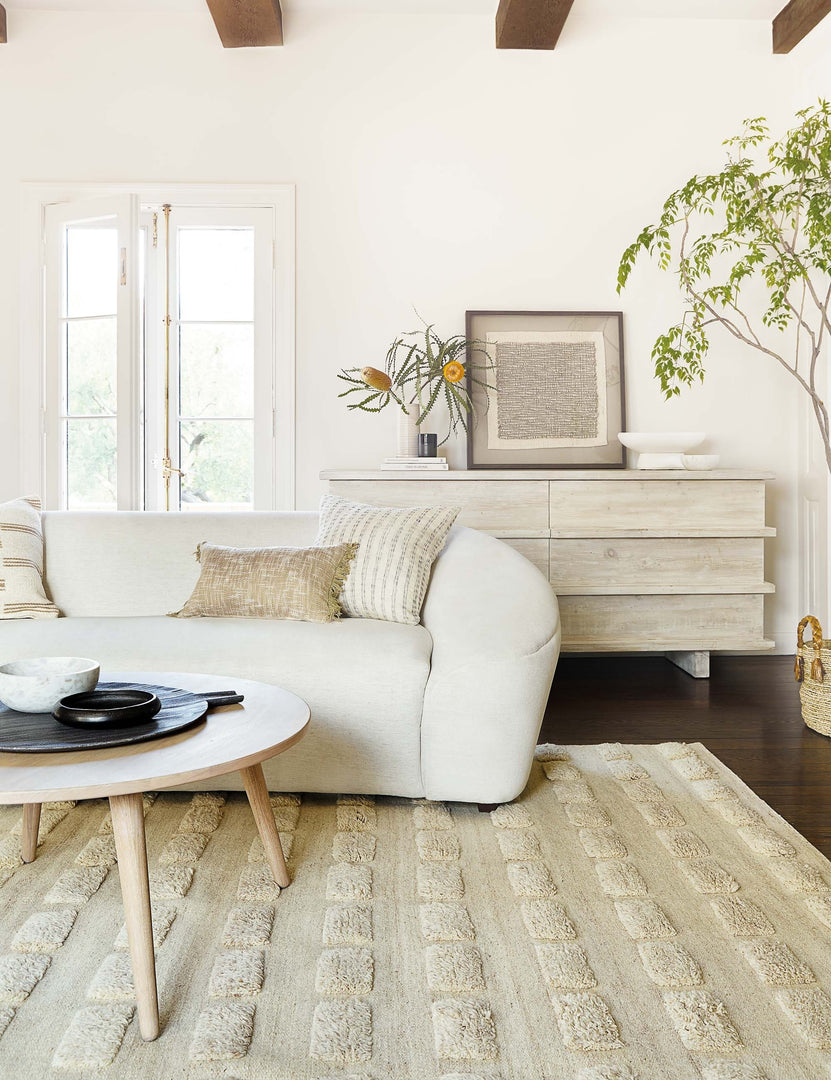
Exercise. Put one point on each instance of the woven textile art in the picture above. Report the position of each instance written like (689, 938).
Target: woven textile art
(638, 914)
(548, 390)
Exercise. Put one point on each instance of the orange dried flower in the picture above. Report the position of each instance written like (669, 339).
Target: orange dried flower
(454, 371)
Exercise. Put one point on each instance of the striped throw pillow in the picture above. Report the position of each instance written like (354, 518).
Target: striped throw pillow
(21, 562)
(396, 551)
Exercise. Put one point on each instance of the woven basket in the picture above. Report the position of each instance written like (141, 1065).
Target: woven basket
(813, 671)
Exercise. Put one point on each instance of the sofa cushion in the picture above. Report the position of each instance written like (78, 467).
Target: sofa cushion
(396, 551)
(141, 563)
(364, 681)
(21, 562)
(270, 583)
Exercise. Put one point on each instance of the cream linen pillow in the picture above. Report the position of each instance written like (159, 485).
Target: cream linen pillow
(270, 583)
(21, 562)
(396, 551)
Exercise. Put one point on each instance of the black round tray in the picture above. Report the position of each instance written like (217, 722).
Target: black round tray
(36, 733)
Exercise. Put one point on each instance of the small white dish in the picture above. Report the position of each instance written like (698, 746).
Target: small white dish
(37, 685)
(662, 442)
(700, 462)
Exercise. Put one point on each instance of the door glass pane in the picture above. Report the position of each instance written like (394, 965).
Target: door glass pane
(91, 270)
(216, 274)
(90, 464)
(142, 255)
(91, 363)
(218, 463)
(217, 369)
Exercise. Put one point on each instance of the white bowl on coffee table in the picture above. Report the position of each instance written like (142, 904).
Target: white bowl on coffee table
(37, 685)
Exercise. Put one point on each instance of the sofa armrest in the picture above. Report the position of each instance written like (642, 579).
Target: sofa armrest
(495, 626)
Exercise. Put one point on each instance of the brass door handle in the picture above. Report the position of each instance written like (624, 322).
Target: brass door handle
(168, 470)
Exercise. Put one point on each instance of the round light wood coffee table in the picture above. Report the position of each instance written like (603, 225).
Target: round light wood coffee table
(236, 737)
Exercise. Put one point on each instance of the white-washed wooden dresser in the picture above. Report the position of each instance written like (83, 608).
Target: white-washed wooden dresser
(669, 562)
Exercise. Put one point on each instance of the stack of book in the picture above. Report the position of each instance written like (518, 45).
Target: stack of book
(415, 464)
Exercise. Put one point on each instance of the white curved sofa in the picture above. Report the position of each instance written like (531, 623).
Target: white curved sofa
(450, 709)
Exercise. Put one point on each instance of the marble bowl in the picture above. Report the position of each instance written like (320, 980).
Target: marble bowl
(36, 686)
(700, 462)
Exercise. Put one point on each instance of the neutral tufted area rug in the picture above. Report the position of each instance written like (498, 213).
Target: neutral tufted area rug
(638, 914)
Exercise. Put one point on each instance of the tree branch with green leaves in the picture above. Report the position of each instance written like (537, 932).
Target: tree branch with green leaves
(764, 220)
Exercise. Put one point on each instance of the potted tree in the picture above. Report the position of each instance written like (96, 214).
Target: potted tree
(765, 219)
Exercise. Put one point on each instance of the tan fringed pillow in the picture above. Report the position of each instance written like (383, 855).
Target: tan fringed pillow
(270, 583)
(22, 595)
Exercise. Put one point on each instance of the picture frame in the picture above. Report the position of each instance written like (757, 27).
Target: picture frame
(556, 394)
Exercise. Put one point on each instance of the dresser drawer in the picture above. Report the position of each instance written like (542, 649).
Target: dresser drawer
(657, 561)
(490, 505)
(656, 504)
(667, 562)
(660, 622)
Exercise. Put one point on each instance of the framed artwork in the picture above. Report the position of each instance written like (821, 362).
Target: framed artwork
(556, 394)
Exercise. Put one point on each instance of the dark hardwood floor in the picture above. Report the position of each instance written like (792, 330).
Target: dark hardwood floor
(747, 713)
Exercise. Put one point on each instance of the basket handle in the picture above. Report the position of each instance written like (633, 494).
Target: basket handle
(817, 668)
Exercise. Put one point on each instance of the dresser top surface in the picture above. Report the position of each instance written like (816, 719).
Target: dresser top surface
(544, 474)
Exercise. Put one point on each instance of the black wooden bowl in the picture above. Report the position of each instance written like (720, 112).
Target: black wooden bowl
(107, 708)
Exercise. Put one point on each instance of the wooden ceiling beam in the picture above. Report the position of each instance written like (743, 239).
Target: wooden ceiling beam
(245, 24)
(795, 20)
(530, 24)
(4, 35)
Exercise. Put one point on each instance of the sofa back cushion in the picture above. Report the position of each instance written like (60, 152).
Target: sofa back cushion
(135, 563)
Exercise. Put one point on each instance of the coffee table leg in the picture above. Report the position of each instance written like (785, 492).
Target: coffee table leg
(31, 824)
(257, 793)
(128, 827)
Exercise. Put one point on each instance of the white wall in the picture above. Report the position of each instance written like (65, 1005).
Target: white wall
(814, 488)
(431, 170)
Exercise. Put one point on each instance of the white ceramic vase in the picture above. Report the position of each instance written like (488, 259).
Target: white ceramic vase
(407, 432)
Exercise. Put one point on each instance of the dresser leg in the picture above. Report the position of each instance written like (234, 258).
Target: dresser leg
(696, 664)
(31, 824)
(257, 792)
(128, 828)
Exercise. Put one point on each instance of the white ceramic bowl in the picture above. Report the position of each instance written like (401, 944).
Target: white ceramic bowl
(36, 686)
(662, 442)
(700, 462)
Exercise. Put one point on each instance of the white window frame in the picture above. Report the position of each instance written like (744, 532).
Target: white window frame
(122, 212)
(279, 198)
(260, 219)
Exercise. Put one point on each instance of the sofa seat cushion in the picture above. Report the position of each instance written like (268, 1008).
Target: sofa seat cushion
(363, 679)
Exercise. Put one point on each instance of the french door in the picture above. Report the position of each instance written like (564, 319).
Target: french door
(92, 337)
(160, 358)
